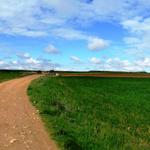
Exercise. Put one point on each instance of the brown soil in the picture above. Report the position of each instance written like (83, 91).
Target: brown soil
(124, 75)
(20, 125)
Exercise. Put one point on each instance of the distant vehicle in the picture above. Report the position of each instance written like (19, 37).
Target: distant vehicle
(57, 74)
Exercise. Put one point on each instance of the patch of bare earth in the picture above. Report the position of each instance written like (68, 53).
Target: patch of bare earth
(20, 125)
(117, 75)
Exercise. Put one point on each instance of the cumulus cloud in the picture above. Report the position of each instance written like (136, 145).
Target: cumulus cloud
(27, 62)
(51, 49)
(117, 64)
(96, 44)
(95, 60)
(86, 10)
(34, 19)
(57, 18)
(17, 17)
(37, 18)
(23, 55)
(32, 61)
(139, 34)
(144, 63)
(110, 64)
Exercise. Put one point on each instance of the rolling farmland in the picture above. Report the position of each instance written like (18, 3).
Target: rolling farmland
(11, 74)
(90, 113)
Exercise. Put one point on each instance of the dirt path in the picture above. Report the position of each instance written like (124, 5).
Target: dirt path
(20, 126)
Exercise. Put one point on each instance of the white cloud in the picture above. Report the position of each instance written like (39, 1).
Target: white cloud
(110, 64)
(17, 17)
(52, 21)
(23, 55)
(98, 10)
(76, 59)
(131, 40)
(1, 62)
(51, 49)
(23, 32)
(137, 25)
(69, 34)
(96, 44)
(14, 62)
(29, 64)
(66, 9)
(116, 64)
(139, 35)
(37, 18)
(32, 61)
(26, 61)
(57, 18)
(95, 60)
(144, 63)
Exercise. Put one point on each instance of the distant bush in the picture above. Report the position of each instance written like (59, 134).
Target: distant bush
(39, 71)
(51, 71)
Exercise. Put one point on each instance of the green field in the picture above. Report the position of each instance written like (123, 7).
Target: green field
(87, 113)
(11, 74)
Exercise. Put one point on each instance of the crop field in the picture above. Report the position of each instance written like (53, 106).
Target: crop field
(11, 74)
(89, 113)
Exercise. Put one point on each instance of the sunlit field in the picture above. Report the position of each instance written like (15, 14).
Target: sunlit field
(90, 113)
(11, 74)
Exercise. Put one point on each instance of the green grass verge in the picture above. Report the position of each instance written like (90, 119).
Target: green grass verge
(7, 75)
(87, 113)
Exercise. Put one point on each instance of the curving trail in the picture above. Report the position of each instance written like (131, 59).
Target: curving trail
(20, 125)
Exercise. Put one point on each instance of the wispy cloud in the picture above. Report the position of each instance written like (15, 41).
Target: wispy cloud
(26, 61)
(65, 20)
(93, 43)
(51, 49)
(23, 55)
(117, 64)
(95, 60)
(76, 59)
(34, 18)
(139, 35)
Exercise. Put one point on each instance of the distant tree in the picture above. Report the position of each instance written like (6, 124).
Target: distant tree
(51, 71)
(39, 71)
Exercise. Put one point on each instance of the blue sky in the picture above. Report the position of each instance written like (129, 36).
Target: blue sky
(75, 35)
